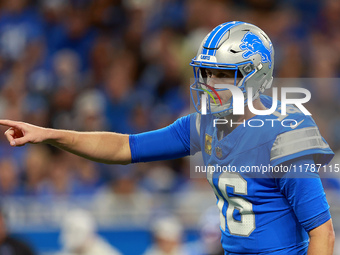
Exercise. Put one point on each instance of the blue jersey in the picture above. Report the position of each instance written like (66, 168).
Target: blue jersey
(259, 212)
(256, 215)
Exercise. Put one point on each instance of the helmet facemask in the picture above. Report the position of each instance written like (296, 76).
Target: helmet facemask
(214, 99)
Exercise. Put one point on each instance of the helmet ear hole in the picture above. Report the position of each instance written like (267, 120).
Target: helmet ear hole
(203, 73)
(239, 74)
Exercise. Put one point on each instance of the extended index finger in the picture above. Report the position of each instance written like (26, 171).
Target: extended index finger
(9, 123)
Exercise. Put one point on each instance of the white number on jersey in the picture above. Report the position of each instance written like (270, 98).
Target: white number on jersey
(246, 225)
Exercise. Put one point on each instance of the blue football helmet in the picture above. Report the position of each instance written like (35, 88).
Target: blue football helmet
(237, 46)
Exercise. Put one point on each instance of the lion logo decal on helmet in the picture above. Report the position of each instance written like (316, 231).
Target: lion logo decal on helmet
(254, 45)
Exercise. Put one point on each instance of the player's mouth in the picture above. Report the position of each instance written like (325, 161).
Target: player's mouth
(214, 100)
(213, 96)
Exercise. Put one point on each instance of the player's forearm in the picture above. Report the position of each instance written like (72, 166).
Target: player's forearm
(105, 147)
(321, 246)
(322, 240)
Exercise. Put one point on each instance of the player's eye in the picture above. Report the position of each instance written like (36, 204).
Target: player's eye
(208, 73)
(224, 75)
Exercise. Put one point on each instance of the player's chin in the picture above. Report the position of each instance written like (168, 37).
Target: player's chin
(224, 101)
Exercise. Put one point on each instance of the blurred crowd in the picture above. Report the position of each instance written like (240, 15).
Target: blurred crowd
(123, 66)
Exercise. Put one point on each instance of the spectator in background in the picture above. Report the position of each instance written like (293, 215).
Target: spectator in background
(9, 185)
(89, 111)
(167, 233)
(10, 245)
(21, 33)
(86, 176)
(67, 85)
(36, 164)
(122, 200)
(119, 90)
(74, 33)
(59, 182)
(209, 242)
(78, 236)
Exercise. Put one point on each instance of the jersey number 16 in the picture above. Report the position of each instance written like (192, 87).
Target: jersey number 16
(246, 225)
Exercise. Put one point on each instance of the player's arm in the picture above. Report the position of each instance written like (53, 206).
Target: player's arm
(107, 147)
(103, 147)
(307, 198)
(322, 239)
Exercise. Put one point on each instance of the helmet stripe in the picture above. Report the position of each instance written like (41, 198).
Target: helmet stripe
(221, 36)
(216, 36)
(210, 37)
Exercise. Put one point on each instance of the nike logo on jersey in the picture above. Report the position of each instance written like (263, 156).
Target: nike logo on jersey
(293, 126)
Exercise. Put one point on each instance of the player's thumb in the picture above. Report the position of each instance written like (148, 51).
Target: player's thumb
(19, 141)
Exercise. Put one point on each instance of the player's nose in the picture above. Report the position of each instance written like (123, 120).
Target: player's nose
(212, 81)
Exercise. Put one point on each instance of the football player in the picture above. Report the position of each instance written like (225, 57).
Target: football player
(274, 214)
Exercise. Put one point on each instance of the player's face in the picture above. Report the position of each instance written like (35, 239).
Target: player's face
(216, 76)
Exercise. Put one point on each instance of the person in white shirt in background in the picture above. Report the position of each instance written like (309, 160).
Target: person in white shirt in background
(167, 233)
(79, 237)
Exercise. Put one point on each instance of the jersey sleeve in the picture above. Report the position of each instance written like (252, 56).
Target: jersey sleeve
(174, 141)
(300, 137)
(305, 195)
